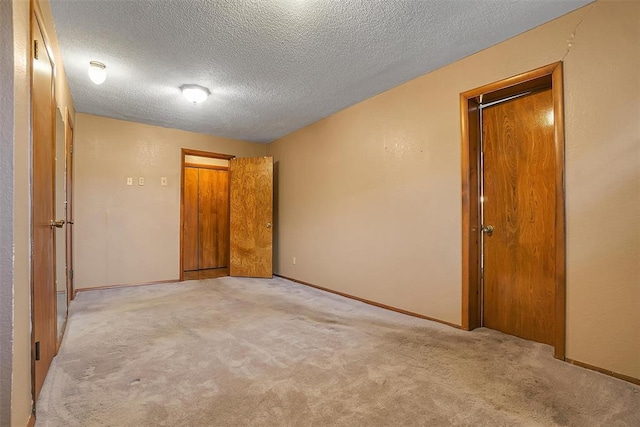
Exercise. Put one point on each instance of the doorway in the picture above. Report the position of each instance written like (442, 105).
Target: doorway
(205, 215)
(513, 207)
(226, 216)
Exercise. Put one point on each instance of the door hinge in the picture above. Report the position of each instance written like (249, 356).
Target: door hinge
(37, 350)
(71, 274)
(71, 149)
(35, 49)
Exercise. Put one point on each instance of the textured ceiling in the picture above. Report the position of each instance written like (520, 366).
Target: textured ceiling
(273, 66)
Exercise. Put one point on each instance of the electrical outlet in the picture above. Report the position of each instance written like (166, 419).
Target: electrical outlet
(129, 180)
(141, 180)
(294, 260)
(163, 181)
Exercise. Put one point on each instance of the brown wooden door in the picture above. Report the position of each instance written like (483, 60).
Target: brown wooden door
(519, 202)
(190, 235)
(213, 219)
(43, 210)
(251, 217)
(205, 222)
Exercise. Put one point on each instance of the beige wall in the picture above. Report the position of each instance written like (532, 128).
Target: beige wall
(6, 209)
(21, 370)
(369, 201)
(21, 390)
(130, 234)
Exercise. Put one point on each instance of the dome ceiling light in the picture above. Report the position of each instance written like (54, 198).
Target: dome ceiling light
(195, 93)
(97, 72)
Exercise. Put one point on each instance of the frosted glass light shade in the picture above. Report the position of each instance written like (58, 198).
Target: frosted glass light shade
(195, 93)
(97, 72)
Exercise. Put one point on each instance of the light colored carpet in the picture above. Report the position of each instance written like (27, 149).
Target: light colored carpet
(248, 352)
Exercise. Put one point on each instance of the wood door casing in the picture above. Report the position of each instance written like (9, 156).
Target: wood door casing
(251, 202)
(43, 209)
(550, 75)
(519, 201)
(69, 138)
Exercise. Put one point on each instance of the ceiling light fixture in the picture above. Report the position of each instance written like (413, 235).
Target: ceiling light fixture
(195, 93)
(97, 72)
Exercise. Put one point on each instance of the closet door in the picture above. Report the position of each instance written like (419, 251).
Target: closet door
(190, 240)
(205, 239)
(213, 218)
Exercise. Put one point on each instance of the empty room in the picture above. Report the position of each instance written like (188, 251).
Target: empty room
(319, 212)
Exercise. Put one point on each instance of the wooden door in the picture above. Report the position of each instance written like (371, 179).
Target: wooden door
(251, 217)
(213, 218)
(520, 205)
(205, 242)
(43, 243)
(190, 239)
(69, 137)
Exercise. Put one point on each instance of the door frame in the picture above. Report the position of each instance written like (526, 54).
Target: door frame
(548, 76)
(69, 139)
(191, 152)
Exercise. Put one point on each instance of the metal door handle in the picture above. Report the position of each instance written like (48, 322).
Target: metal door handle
(57, 224)
(70, 222)
(268, 225)
(488, 230)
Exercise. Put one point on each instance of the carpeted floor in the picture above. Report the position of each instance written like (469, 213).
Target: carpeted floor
(249, 352)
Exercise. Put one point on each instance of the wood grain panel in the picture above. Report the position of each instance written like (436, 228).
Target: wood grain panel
(251, 204)
(213, 273)
(207, 219)
(557, 91)
(471, 302)
(520, 202)
(43, 247)
(222, 207)
(191, 275)
(190, 240)
(213, 218)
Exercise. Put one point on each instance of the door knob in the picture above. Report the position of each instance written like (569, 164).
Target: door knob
(268, 225)
(488, 230)
(57, 224)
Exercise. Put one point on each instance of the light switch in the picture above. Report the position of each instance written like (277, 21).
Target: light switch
(163, 181)
(141, 180)
(129, 180)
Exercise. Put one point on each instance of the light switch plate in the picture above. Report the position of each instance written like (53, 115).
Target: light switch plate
(141, 180)
(163, 181)
(129, 180)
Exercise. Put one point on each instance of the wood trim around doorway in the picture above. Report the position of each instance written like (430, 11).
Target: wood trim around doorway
(547, 76)
(69, 140)
(190, 152)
